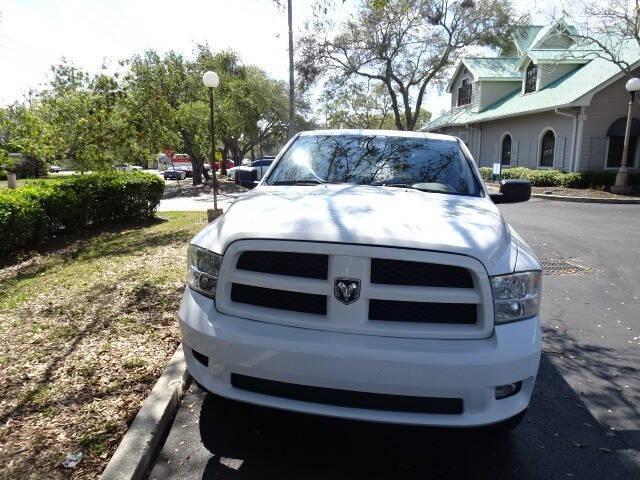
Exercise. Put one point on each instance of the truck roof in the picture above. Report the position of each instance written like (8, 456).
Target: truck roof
(386, 133)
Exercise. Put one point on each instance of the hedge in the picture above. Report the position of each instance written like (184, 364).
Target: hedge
(32, 214)
(555, 178)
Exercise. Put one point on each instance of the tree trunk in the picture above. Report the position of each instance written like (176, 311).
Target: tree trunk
(197, 165)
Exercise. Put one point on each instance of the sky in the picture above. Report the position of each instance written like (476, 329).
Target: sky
(35, 34)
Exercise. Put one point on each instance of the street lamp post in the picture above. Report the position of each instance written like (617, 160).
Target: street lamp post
(211, 81)
(622, 178)
(262, 125)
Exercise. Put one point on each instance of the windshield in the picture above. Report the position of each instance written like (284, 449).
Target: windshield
(428, 164)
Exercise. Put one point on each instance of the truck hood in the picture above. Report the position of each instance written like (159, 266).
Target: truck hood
(381, 216)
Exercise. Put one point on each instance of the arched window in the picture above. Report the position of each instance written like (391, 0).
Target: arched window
(615, 135)
(547, 148)
(531, 78)
(505, 153)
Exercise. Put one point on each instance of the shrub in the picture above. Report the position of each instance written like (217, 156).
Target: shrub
(32, 214)
(556, 178)
(3, 175)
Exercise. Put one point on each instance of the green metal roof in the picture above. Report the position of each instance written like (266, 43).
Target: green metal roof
(544, 32)
(523, 35)
(566, 91)
(574, 54)
(492, 67)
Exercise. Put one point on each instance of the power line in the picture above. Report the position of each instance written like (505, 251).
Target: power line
(19, 63)
(21, 53)
(30, 47)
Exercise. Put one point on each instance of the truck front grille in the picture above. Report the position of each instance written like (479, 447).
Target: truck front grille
(422, 312)
(401, 272)
(306, 265)
(279, 299)
(403, 293)
(348, 398)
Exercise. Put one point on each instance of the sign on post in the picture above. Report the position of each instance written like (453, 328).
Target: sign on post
(497, 171)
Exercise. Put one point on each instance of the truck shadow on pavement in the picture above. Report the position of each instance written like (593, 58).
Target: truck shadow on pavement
(557, 439)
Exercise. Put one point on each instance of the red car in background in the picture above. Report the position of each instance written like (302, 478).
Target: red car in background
(230, 164)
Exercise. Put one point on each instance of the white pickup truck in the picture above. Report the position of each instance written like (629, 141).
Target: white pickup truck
(369, 276)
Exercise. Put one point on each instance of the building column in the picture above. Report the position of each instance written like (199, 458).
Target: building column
(578, 150)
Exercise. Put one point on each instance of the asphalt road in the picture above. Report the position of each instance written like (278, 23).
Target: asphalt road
(583, 422)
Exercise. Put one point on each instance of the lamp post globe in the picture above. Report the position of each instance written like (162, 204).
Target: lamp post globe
(633, 85)
(622, 178)
(211, 79)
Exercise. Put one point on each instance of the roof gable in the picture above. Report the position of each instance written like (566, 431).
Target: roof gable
(523, 36)
(557, 29)
(574, 89)
(487, 68)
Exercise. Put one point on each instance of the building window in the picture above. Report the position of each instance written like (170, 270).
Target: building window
(505, 154)
(615, 134)
(464, 93)
(531, 78)
(547, 148)
(614, 152)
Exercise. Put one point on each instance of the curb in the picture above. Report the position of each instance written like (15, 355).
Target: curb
(133, 456)
(564, 198)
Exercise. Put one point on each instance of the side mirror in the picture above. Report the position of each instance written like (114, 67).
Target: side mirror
(512, 191)
(247, 177)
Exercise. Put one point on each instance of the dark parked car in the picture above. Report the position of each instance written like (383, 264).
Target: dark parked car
(187, 169)
(174, 174)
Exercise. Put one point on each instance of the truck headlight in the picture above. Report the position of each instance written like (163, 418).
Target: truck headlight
(516, 296)
(204, 267)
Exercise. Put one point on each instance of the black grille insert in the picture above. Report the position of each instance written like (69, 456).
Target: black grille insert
(423, 312)
(348, 398)
(308, 265)
(280, 299)
(402, 272)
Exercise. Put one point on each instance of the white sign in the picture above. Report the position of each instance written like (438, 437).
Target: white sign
(496, 168)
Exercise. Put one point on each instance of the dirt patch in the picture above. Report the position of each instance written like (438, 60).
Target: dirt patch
(84, 333)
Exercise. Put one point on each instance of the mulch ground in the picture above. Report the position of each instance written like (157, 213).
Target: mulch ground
(85, 331)
(573, 192)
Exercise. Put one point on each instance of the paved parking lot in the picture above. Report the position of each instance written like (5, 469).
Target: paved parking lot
(584, 420)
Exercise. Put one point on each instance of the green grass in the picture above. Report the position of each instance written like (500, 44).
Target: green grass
(26, 181)
(93, 322)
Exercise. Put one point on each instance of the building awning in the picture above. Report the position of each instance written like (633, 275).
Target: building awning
(618, 127)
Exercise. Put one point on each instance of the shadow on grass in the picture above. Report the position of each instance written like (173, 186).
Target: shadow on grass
(63, 242)
(121, 240)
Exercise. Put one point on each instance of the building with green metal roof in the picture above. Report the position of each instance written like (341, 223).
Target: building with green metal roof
(547, 101)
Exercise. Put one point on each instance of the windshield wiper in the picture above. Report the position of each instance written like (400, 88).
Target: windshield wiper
(308, 181)
(416, 186)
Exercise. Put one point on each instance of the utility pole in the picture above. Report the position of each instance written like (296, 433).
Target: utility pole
(292, 100)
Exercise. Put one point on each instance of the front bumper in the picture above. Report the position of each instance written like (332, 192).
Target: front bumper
(466, 369)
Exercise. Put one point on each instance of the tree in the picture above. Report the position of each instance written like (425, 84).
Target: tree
(167, 103)
(405, 45)
(606, 28)
(360, 104)
(79, 119)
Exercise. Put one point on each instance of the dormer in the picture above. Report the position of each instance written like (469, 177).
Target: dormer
(461, 87)
(551, 55)
(480, 82)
